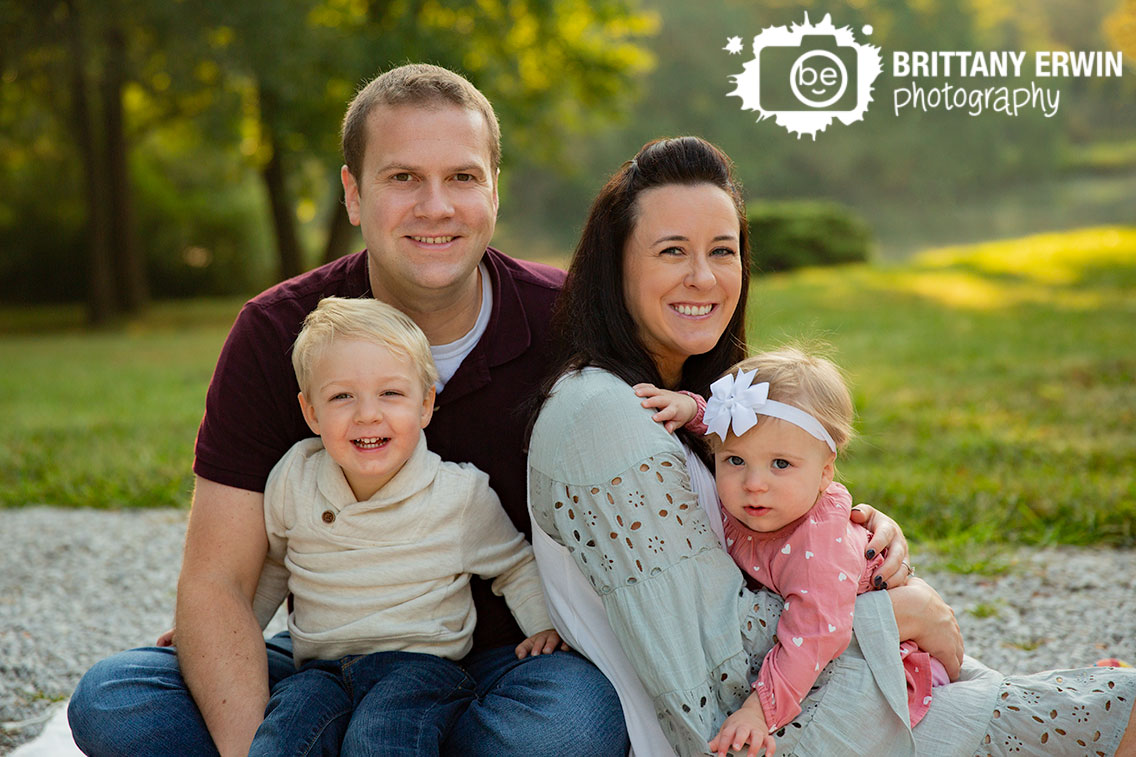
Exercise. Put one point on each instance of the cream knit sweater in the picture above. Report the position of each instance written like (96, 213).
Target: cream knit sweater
(391, 573)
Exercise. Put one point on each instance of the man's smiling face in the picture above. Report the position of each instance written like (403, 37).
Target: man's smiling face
(426, 200)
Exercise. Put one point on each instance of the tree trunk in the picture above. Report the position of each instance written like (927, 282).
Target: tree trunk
(340, 233)
(283, 218)
(100, 283)
(129, 264)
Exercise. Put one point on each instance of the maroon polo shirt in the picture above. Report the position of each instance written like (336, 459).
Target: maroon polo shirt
(252, 416)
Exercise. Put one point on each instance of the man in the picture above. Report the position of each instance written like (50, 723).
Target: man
(422, 148)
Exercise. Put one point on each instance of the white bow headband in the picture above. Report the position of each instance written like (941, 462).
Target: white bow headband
(734, 400)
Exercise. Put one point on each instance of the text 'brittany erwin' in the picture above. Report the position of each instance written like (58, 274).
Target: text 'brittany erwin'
(976, 63)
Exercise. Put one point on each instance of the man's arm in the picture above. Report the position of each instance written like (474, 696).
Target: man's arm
(220, 646)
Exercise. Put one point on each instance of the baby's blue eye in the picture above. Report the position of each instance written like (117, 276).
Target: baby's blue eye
(735, 460)
(780, 464)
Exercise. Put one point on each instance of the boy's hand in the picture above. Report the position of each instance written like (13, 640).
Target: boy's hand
(675, 410)
(541, 642)
(167, 639)
(746, 726)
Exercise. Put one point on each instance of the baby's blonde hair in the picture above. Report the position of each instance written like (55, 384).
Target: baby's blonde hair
(364, 319)
(808, 381)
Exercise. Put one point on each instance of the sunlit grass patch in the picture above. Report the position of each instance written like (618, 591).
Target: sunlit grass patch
(1060, 258)
(1002, 411)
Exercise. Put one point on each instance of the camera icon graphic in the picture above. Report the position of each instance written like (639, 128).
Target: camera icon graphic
(819, 74)
(808, 75)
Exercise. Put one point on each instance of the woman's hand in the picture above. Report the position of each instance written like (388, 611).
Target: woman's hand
(886, 534)
(923, 617)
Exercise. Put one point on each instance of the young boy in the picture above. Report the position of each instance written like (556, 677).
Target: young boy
(379, 537)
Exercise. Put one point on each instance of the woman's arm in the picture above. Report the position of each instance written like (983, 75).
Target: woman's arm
(612, 487)
(674, 599)
(923, 617)
(920, 613)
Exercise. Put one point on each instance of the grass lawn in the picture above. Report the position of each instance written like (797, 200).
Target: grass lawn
(105, 419)
(995, 384)
(996, 387)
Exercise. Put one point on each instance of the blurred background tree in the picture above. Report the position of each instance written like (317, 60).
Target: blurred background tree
(175, 107)
(155, 149)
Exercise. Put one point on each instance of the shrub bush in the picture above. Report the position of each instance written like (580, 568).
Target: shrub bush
(788, 235)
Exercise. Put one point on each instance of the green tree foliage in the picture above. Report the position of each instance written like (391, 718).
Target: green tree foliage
(127, 86)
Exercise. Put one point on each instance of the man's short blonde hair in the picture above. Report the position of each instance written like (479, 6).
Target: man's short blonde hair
(807, 381)
(419, 85)
(364, 319)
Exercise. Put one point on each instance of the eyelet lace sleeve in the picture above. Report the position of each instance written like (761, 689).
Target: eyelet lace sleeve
(643, 542)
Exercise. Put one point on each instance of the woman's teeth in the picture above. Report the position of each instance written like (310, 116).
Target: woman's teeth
(693, 309)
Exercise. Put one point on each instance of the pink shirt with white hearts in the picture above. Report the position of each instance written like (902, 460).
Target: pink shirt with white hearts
(817, 564)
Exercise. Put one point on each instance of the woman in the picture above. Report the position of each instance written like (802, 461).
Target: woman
(630, 549)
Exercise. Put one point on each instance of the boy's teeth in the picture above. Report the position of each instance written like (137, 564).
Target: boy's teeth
(694, 309)
(369, 443)
(433, 240)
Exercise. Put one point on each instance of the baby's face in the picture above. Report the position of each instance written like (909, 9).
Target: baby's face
(368, 405)
(772, 474)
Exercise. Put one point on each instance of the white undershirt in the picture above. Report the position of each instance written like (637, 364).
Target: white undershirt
(449, 356)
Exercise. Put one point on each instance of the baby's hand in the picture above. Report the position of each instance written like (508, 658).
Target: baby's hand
(541, 642)
(746, 726)
(675, 410)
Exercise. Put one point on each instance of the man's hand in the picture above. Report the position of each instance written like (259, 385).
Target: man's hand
(541, 642)
(923, 617)
(746, 726)
(886, 535)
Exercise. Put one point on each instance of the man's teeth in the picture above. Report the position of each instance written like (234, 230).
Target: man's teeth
(370, 443)
(433, 240)
(694, 309)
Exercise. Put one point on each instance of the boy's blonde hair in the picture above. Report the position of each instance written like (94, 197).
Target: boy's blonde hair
(364, 319)
(807, 381)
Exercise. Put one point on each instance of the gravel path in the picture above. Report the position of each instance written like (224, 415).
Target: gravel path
(78, 585)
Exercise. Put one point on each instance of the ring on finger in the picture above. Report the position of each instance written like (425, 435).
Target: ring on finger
(910, 570)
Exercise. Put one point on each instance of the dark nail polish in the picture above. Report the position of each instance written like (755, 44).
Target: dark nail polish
(870, 554)
(883, 584)
(877, 581)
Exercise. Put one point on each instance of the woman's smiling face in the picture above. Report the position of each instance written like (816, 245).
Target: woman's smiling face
(682, 272)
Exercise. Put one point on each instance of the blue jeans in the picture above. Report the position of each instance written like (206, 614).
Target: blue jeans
(136, 703)
(401, 704)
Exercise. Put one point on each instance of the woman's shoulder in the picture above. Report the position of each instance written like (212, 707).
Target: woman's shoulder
(593, 420)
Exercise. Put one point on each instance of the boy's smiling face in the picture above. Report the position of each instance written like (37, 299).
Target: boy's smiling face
(368, 404)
